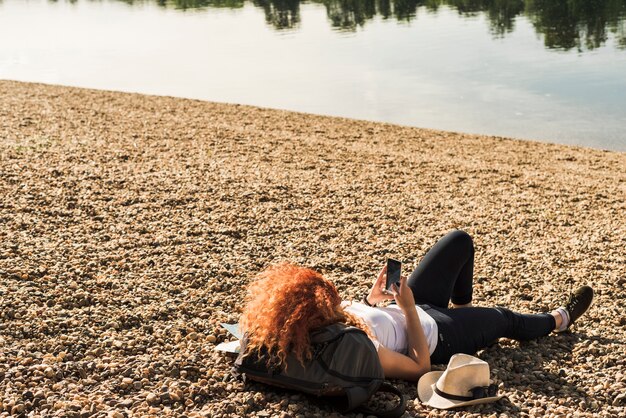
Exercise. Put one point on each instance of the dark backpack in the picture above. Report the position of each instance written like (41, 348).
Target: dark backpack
(345, 370)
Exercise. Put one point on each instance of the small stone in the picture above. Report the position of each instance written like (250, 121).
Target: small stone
(619, 399)
(17, 409)
(152, 398)
(211, 339)
(49, 372)
(115, 414)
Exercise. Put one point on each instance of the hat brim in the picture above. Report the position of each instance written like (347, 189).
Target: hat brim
(427, 395)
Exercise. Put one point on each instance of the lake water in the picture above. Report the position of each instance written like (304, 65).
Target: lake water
(551, 70)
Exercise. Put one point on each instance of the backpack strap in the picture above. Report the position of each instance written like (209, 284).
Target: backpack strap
(353, 396)
(392, 413)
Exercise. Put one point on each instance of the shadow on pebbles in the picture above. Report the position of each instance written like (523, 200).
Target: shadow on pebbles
(130, 226)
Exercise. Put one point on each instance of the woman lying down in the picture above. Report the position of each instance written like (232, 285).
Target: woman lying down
(415, 330)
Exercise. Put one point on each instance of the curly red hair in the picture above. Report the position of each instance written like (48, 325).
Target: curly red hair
(284, 304)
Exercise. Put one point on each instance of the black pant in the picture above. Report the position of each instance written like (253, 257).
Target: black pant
(446, 274)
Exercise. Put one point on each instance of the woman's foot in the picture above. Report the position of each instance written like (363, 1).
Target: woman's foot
(578, 303)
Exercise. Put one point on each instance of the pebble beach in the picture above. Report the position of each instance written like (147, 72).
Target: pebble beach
(131, 224)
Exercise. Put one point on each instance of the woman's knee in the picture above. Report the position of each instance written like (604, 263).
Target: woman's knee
(462, 239)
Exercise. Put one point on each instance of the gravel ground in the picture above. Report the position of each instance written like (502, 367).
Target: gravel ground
(130, 225)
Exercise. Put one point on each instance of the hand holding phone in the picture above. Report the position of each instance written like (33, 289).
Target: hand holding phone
(394, 268)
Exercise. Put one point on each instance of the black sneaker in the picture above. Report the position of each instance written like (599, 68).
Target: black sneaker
(578, 303)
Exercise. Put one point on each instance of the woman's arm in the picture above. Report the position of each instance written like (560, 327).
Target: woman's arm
(413, 366)
(399, 366)
(418, 347)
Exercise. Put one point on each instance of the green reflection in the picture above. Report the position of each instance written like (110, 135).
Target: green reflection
(564, 24)
(186, 4)
(348, 14)
(500, 13)
(281, 14)
(580, 24)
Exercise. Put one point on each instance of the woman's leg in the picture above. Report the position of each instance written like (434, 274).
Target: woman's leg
(468, 330)
(445, 272)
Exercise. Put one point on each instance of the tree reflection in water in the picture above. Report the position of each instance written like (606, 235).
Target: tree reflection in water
(578, 24)
(564, 24)
(281, 14)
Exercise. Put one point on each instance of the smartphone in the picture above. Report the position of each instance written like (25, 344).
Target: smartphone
(393, 273)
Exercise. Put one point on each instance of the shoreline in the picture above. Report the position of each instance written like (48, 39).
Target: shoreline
(546, 141)
(131, 224)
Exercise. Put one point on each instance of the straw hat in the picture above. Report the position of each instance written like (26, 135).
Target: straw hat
(464, 382)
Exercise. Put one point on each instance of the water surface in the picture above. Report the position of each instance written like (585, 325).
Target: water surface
(547, 70)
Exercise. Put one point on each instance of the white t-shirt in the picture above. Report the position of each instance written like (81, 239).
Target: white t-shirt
(388, 324)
